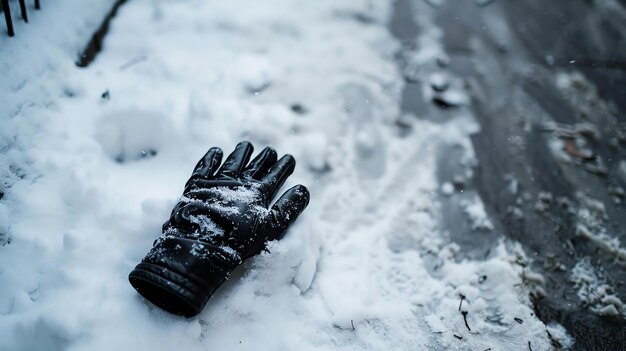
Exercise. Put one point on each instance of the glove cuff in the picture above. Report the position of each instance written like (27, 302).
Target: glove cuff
(179, 275)
(168, 290)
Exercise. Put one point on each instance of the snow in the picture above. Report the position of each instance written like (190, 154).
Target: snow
(447, 188)
(365, 268)
(594, 291)
(4, 223)
(559, 334)
(131, 135)
(476, 213)
(207, 226)
(592, 226)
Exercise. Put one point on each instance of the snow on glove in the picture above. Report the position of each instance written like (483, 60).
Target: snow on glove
(223, 217)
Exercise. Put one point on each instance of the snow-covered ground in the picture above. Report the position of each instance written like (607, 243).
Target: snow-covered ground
(93, 159)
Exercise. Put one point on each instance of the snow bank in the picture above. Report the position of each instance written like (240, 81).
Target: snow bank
(105, 151)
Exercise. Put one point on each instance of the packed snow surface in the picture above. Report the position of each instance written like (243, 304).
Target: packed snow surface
(93, 160)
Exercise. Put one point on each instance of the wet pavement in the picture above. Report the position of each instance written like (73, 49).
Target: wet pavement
(547, 84)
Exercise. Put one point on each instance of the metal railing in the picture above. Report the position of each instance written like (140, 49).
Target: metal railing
(7, 13)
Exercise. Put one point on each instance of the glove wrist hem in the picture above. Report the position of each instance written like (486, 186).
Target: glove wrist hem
(168, 289)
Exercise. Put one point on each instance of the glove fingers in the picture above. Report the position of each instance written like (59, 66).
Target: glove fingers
(208, 164)
(287, 209)
(260, 164)
(236, 161)
(277, 175)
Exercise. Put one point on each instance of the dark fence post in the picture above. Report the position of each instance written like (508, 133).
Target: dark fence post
(7, 16)
(23, 10)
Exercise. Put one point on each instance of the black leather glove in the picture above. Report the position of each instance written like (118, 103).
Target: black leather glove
(223, 217)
